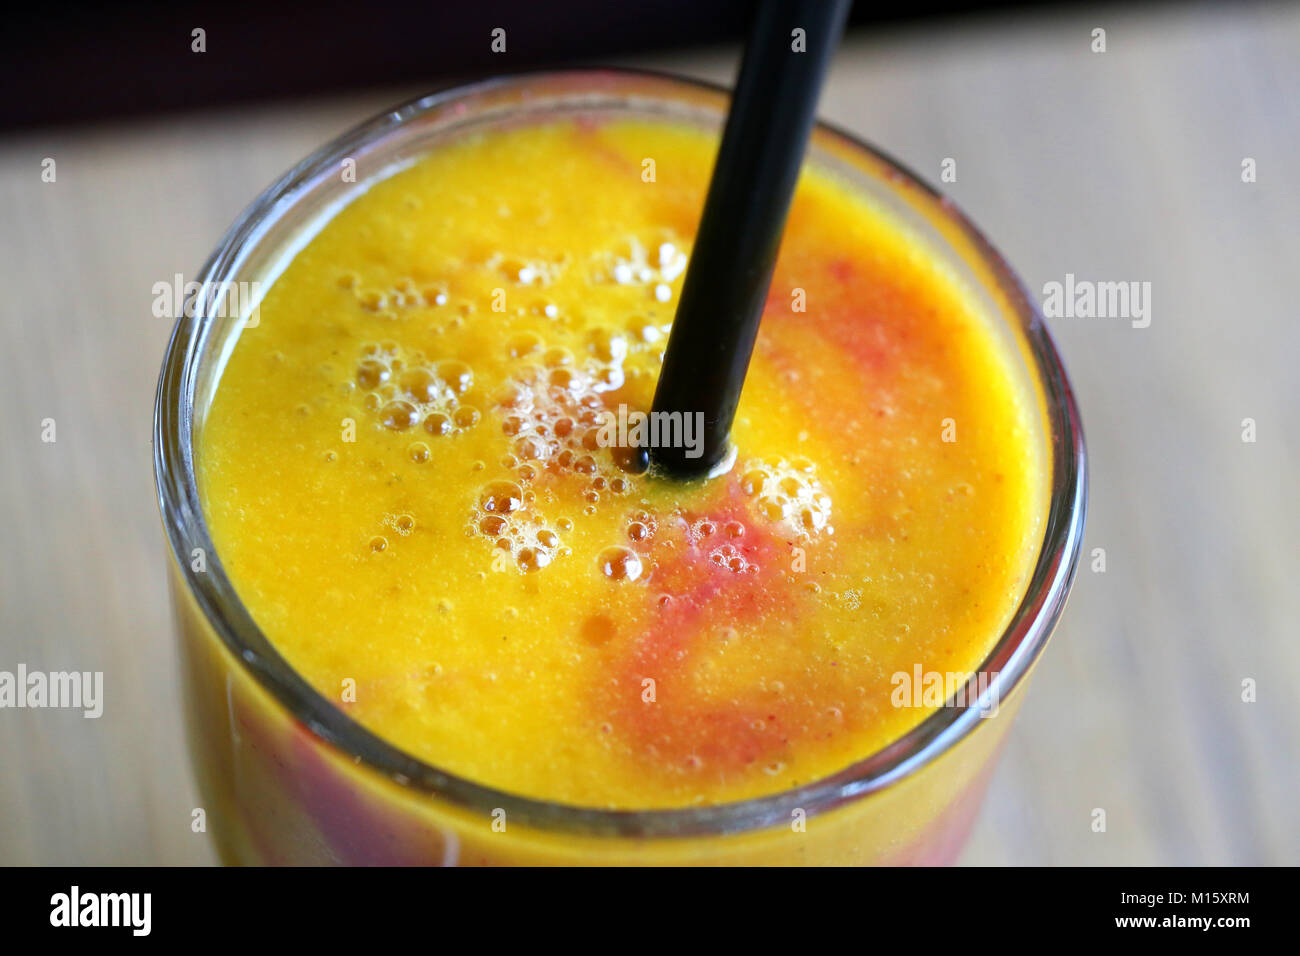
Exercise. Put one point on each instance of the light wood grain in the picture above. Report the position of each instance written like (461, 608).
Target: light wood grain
(1116, 166)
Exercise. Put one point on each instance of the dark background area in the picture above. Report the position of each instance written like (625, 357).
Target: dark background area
(86, 61)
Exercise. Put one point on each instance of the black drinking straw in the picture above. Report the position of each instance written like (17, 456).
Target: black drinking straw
(754, 176)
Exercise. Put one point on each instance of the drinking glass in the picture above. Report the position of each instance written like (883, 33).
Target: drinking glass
(287, 778)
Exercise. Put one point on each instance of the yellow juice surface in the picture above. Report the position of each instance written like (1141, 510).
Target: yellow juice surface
(405, 477)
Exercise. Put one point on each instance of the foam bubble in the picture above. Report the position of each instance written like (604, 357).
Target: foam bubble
(619, 563)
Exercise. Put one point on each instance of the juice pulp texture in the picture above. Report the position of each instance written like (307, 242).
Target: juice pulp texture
(404, 477)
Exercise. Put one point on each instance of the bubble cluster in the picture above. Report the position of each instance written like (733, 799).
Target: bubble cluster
(526, 272)
(523, 539)
(639, 267)
(642, 527)
(729, 556)
(788, 493)
(720, 541)
(407, 391)
(552, 411)
(391, 301)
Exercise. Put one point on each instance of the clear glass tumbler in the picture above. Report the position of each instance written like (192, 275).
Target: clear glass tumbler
(287, 778)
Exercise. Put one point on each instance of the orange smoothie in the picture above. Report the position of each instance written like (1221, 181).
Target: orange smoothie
(408, 477)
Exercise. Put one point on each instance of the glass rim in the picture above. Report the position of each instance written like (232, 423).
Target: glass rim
(1021, 642)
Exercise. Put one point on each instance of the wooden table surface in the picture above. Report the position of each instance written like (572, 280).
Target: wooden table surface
(1123, 165)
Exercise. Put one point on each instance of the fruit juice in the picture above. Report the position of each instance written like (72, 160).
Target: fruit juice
(408, 475)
